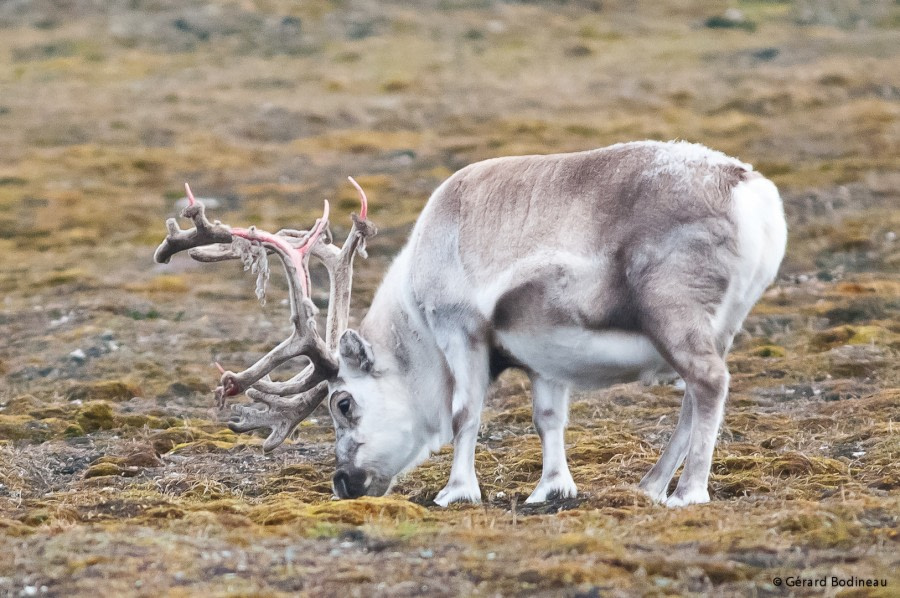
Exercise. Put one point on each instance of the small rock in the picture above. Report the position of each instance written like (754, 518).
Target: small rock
(60, 321)
(78, 356)
(765, 54)
(495, 26)
(731, 19)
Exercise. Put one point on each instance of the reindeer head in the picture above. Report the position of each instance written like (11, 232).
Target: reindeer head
(280, 406)
(381, 430)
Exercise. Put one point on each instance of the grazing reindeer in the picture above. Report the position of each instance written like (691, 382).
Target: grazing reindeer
(632, 262)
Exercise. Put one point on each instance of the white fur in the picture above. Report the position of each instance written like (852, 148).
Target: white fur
(762, 235)
(679, 159)
(583, 357)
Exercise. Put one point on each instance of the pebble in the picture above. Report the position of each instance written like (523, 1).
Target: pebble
(60, 321)
(78, 355)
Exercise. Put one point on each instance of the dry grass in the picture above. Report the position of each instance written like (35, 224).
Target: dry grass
(117, 475)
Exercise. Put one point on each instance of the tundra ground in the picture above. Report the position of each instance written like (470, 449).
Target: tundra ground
(117, 475)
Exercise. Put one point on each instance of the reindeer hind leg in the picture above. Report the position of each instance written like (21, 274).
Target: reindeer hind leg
(656, 482)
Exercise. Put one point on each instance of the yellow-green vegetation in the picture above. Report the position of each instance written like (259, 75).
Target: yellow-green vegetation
(118, 476)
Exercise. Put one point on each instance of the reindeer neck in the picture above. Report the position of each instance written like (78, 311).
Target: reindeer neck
(399, 336)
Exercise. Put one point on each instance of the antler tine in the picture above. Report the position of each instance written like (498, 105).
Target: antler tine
(339, 263)
(362, 198)
(281, 415)
(203, 233)
(299, 383)
(214, 253)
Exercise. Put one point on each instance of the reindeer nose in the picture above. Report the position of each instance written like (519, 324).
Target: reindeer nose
(350, 482)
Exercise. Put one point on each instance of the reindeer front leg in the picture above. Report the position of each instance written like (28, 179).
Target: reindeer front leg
(551, 413)
(468, 363)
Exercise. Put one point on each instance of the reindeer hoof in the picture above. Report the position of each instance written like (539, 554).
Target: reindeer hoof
(554, 488)
(656, 494)
(458, 492)
(681, 498)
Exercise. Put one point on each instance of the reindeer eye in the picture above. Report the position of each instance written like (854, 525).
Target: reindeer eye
(344, 406)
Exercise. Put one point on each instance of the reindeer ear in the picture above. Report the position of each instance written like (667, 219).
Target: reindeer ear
(356, 352)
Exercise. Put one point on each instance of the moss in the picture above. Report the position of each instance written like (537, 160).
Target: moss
(23, 427)
(21, 405)
(62, 428)
(361, 510)
(64, 276)
(165, 440)
(866, 335)
(105, 390)
(279, 510)
(152, 422)
(58, 410)
(795, 463)
(13, 528)
(96, 415)
(36, 517)
(206, 445)
(851, 335)
(106, 469)
(143, 457)
(769, 351)
(561, 575)
(820, 528)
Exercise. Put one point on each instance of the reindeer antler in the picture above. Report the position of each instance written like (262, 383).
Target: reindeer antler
(203, 233)
(280, 406)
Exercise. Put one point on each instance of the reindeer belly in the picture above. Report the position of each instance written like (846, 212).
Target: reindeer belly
(585, 357)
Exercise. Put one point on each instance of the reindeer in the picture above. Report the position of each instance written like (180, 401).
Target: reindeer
(637, 261)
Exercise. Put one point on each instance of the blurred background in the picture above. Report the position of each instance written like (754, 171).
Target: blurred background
(265, 107)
